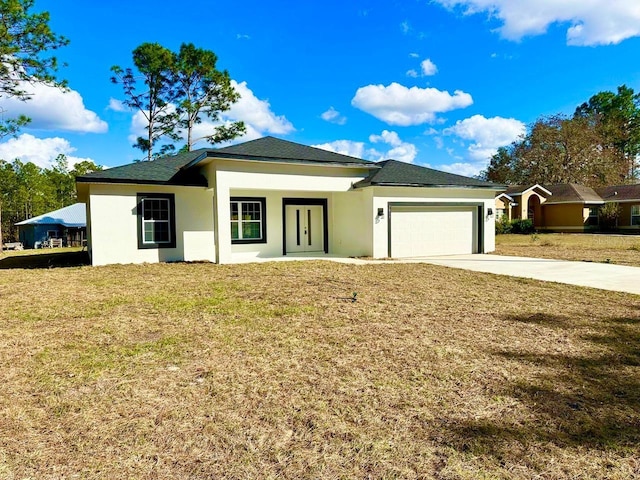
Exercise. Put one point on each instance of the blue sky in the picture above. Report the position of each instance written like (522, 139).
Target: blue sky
(441, 83)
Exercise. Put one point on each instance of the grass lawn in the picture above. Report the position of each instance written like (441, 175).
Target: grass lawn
(198, 371)
(619, 249)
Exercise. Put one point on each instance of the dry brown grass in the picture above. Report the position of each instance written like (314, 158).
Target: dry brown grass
(197, 371)
(619, 249)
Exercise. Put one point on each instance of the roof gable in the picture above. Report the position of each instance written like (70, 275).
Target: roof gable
(516, 190)
(396, 173)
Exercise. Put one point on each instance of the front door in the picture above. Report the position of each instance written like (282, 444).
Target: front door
(304, 228)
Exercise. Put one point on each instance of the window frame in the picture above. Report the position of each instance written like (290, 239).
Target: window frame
(262, 201)
(593, 216)
(635, 216)
(170, 198)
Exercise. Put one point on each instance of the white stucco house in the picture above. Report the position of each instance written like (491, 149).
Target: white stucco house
(270, 197)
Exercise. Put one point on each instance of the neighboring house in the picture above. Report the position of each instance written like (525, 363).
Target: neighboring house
(569, 207)
(270, 197)
(628, 198)
(68, 223)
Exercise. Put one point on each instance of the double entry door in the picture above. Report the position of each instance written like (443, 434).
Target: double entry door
(304, 228)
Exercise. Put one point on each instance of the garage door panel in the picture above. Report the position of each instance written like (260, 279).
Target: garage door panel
(427, 231)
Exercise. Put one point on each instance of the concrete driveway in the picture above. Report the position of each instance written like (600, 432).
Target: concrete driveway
(618, 278)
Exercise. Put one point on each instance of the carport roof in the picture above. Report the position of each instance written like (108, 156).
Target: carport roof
(396, 173)
(72, 216)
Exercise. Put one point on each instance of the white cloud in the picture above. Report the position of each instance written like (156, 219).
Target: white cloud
(414, 55)
(412, 73)
(398, 105)
(405, 27)
(428, 67)
(462, 168)
(256, 113)
(591, 22)
(51, 108)
(40, 151)
(487, 134)
(258, 118)
(333, 116)
(402, 151)
(117, 105)
(344, 147)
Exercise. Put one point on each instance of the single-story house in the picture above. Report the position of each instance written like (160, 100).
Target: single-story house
(68, 223)
(569, 207)
(270, 197)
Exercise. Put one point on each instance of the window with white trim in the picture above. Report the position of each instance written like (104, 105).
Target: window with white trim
(635, 214)
(248, 220)
(156, 221)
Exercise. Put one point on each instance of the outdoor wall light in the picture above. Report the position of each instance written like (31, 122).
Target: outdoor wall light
(381, 213)
(490, 212)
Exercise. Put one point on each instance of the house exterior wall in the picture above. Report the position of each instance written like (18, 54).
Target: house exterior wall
(382, 196)
(113, 220)
(624, 219)
(565, 217)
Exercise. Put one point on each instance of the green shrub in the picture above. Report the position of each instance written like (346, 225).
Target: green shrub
(522, 226)
(503, 225)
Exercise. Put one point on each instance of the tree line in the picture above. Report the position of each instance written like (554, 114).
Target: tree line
(27, 190)
(597, 146)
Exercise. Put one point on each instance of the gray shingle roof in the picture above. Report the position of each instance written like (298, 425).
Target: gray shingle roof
(163, 171)
(270, 148)
(180, 169)
(395, 173)
(572, 193)
(620, 193)
(72, 216)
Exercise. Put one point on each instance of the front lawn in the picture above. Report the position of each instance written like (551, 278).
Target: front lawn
(619, 249)
(314, 370)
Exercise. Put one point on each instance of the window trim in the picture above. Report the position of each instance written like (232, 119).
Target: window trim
(170, 197)
(263, 219)
(636, 216)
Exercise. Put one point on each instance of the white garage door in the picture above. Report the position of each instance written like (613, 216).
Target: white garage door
(418, 231)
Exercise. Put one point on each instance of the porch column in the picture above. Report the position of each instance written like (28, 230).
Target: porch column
(223, 224)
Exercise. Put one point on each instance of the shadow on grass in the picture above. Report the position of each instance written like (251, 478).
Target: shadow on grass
(590, 399)
(46, 260)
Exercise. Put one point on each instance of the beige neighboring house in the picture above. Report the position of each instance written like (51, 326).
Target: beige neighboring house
(569, 207)
(270, 198)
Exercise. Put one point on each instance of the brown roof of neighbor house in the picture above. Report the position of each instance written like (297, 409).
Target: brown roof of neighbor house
(572, 193)
(520, 189)
(620, 193)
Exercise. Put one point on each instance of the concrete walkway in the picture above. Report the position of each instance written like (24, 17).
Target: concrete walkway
(618, 278)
